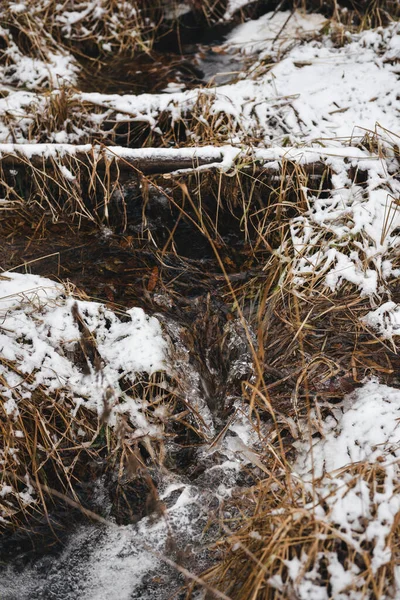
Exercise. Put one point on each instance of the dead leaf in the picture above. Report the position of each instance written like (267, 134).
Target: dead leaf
(153, 279)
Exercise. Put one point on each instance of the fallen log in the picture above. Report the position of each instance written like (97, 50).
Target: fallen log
(168, 160)
(145, 160)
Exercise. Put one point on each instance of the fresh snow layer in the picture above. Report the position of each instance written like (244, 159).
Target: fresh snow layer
(365, 428)
(58, 69)
(275, 32)
(385, 320)
(223, 155)
(294, 100)
(39, 335)
(350, 235)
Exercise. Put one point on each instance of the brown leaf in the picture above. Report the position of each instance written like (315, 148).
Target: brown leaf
(229, 262)
(153, 279)
(218, 49)
(127, 241)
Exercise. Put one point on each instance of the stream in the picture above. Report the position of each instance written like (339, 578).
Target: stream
(67, 558)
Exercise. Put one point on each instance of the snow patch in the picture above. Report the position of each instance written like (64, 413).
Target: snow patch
(353, 473)
(275, 32)
(385, 320)
(39, 334)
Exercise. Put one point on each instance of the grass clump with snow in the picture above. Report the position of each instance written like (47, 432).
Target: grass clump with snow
(78, 381)
(328, 526)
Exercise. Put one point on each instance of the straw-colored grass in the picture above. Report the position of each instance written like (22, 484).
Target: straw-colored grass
(52, 448)
(283, 529)
(308, 344)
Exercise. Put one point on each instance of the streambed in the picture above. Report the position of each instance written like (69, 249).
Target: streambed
(184, 287)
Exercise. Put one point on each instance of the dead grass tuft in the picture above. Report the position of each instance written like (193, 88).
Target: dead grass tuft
(288, 546)
(55, 450)
(355, 14)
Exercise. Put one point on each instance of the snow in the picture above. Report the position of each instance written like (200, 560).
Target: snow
(367, 429)
(350, 236)
(233, 6)
(55, 70)
(116, 562)
(290, 101)
(16, 288)
(275, 32)
(305, 100)
(39, 335)
(358, 445)
(385, 320)
(129, 554)
(225, 153)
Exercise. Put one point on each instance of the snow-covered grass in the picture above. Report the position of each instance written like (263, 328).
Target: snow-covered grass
(303, 151)
(34, 30)
(347, 197)
(282, 100)
(80, 380)
(68, 367)
(329, 528)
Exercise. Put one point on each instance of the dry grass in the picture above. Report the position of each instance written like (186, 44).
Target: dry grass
(80, 190)
(282, 528)
(95, 32)
(51, 451)
(52, 448)
(311, 349)
(46, 25)
(310, 346)
(355, 15)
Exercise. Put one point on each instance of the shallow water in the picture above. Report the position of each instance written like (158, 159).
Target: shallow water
(171, 66)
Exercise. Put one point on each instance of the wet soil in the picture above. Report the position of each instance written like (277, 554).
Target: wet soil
(120, 269)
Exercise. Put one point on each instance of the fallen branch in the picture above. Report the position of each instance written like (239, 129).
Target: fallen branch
(146, 160)
(168, 160)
